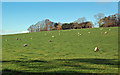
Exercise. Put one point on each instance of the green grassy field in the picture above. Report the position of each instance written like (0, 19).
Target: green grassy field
(67, 53)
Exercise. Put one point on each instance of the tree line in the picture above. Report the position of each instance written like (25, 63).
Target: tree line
(110, 21)
(100, 20)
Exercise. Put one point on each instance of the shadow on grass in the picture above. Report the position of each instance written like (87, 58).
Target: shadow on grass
(83, 67)
(93, 61)
(31, 64)
(16, 61)
(40, 65)
(13, 72)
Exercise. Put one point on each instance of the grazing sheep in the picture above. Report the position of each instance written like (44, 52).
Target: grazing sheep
(78, 33)
(109, 29)
(96, 49)
(101, 29)
(89, 32)
(25, 45)
(53, 36)
(31, 38)
(16, 38)
(106, 32)
(50, 40)
(6, 40)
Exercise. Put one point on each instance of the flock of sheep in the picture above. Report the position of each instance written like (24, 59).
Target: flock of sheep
(79, 34)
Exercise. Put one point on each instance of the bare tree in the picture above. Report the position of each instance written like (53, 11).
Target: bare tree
(80, 20)
(98, 17)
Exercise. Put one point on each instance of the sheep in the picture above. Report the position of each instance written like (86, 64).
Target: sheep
(78, 33)
(106, 32)
(31, 38)
(25, 45)
(109, 29)
(101, 29)
(96, 49)
(6, 40)
(16, 38)
(89, 32)
(53, 36)
(50, 40)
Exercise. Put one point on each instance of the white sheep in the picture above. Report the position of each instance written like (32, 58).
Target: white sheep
(31, 38)
(96, 49)
(50, 40)
(6, 40)
(53, 36)
(16, 38)
(78, 33)
(109, 29)
(25, 45)
(106, 32)
(89, 32)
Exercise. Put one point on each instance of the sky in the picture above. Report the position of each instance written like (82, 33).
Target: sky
(60, 0)
(18, 16)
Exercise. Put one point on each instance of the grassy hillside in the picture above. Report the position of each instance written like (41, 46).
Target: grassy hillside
(67, 52)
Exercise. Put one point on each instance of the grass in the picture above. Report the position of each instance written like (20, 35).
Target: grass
(67, 53)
